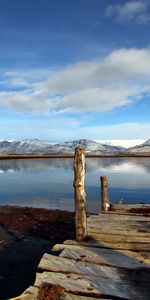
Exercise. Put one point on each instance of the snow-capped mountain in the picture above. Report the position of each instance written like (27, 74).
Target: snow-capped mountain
(36, 146)
(92, 147)
(142, 148)
(125, 143)
(25, 146)
(89, 145)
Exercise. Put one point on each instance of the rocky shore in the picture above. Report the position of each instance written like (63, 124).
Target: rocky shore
(25, 235)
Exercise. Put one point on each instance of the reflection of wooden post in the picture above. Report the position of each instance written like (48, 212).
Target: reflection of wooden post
(79, 192)
(104, 193)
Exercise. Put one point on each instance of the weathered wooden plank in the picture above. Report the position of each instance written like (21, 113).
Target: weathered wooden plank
(130, 207)
(143, 256)
(127, 246)
(114, 238)
(117, 231)
(95, 286)
(124, 246)
(129, 231)
(142, 230)
(138, 205)
(109, 257)
(89, 243)
(122, 224)
(117, 225)
(119, 217)
(59, 264)
(117, 220)
(70, 282)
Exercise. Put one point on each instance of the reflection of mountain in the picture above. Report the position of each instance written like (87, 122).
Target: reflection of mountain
(35, 164)
(92, 164)
(36, 146)
(143, 162)
(118, 163)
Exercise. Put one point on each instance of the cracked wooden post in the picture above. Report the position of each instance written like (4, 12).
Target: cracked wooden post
(104, 193)
(79, 194)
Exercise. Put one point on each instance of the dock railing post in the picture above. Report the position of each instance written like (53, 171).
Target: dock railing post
(79, 194)
(105, 204)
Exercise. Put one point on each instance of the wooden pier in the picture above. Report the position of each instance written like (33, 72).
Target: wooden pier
(114, 263)
(110, 258)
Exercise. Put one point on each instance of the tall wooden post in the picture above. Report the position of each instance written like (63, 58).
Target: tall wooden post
(79, 193)
(104, 193)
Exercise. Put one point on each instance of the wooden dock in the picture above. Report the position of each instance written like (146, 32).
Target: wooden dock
(113, 263)
(110, 258)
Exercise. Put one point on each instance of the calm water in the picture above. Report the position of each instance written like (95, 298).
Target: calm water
(48, 182)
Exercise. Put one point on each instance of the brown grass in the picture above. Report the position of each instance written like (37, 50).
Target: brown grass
(70, 155)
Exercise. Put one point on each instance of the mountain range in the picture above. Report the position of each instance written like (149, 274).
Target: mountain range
(92, 147)
(142, 148)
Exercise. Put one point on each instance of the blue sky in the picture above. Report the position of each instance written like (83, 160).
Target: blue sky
(74, 69)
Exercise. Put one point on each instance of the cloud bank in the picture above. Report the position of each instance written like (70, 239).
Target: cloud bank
(132, 11)
(117, 80)
(70, 129)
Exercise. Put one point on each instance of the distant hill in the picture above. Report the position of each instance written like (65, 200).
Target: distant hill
(92, 147)
(24, 147)
(36, 146)
(142, 148)
(89, 145)
(126, 143)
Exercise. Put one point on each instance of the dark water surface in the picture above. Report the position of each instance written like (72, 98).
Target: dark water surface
(48, 182)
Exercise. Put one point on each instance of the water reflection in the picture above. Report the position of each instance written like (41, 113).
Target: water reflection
(121, 164)
(48, 182)
(35, 164)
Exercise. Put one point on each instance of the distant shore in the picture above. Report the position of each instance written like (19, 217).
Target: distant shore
(71, 155)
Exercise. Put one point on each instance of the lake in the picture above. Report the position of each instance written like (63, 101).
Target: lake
(48, 183)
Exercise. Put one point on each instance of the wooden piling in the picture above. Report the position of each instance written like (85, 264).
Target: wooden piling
(79, 194)
(104, 193)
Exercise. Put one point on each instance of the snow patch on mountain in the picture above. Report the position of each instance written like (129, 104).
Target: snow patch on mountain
(25, 146)
(144, 147)
(90, 146)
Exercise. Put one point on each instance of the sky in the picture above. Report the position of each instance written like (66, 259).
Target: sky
(72, 69)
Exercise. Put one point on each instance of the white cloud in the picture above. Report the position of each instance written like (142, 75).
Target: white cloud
(24, 101)
(136, 11)
(119, 79)
(59, 128)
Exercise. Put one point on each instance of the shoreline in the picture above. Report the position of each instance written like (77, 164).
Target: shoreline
(26, 233)
(68, 155)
